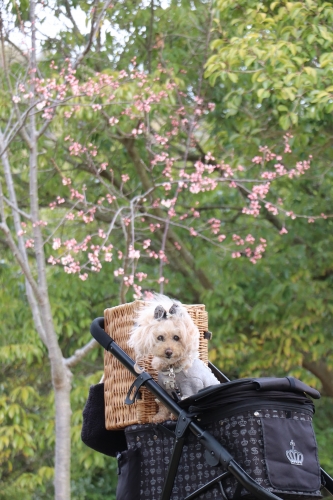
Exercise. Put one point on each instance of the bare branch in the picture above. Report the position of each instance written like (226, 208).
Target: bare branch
(18, 210)
(20, 51)
(95, 26)
(71, 18)
(80, 354)
(21, 261)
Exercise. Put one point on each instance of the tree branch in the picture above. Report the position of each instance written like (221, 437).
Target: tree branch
(95, 25)
(189, 265)
(80, 354)
(322, 372)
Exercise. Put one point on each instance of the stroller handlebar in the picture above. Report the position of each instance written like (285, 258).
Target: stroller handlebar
(99, 334)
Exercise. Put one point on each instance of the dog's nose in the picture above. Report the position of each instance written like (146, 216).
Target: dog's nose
(168, 353)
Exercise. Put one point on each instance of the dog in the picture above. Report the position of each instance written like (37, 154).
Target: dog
(165, 330)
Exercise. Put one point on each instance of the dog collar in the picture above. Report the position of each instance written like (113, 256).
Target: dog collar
(170, 382)
(171, 370)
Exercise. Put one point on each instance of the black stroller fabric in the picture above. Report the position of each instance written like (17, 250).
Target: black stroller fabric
(268, 432)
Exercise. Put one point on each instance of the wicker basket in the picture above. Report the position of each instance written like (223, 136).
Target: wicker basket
(117, 379)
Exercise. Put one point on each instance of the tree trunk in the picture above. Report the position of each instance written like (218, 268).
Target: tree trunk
(63, 439)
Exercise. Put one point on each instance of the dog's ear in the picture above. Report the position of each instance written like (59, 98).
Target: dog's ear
(140, 341)
(173, 309)
(160, 313)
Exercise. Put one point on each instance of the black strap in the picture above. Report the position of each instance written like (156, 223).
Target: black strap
(138, 382)
(291, 382)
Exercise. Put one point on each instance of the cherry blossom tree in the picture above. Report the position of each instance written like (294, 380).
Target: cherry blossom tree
(120, 167)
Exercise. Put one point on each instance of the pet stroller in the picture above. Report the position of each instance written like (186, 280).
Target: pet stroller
(243, 439)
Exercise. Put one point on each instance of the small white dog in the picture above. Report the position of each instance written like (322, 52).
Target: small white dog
(165, 330)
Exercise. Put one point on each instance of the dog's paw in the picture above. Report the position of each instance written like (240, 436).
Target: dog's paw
(159, 418)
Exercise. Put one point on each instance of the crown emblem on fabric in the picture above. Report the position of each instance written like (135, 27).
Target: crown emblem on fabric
(295, 457)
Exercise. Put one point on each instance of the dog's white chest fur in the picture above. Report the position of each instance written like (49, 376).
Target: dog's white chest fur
(188, 382)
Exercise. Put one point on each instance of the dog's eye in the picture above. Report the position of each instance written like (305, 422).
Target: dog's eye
(160, 337)
(175, 337)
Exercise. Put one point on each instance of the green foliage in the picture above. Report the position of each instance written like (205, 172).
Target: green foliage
(279, 54)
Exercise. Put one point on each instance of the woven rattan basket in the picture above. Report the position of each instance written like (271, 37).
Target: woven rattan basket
(117, 379)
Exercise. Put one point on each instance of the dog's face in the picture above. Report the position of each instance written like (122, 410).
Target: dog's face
(168, 345)
(165, 330)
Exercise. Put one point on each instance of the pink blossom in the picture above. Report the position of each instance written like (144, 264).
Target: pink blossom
(152, 254)
(250, 239)
(283, 231)
(146, 244)
(125, 177)
(153, 227)
(209, 156)
(167, 203)
(76, 194)
(271, 208)
(129, 280)
(162, 256)
(101, 233)
(67, 259)
(108, 257)
(110, 198)
(56, 243)
(141, 276)
(214, 225)
(29, 243)
(221, 237)
(132, 253)
(137, 289)
(118, 272)
(113, 120)
(40, 223)
(236, 255)
(72, 268)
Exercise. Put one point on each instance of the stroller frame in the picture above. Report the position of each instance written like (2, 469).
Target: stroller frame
(215, 453)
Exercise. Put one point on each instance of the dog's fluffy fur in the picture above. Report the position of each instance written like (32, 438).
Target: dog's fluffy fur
(172, 338)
